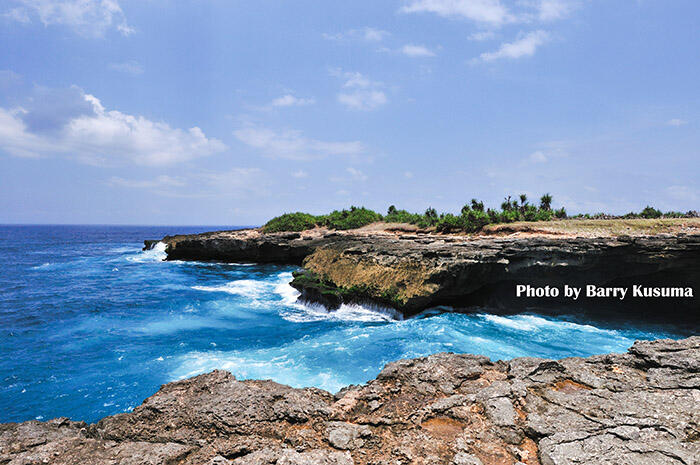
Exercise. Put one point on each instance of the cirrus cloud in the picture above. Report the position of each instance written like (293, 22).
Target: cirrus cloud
(524, 46)
(360, 92)
(90, 18)
(412, 50)
(482, 11)
(293, 145)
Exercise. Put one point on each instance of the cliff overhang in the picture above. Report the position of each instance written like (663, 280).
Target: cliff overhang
(414, 272)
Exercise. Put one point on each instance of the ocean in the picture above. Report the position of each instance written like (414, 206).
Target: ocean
(91, 325)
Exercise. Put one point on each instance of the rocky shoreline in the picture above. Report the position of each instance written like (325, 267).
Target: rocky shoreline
(627, 409)
(412, 272)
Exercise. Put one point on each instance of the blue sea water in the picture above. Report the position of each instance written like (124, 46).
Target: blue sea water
(90, 325)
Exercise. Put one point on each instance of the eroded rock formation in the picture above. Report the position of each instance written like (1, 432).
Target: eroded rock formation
(412, 272)
(638, 408)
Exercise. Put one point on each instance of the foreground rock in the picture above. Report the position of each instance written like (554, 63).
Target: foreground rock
(639, 408)
(412, 272)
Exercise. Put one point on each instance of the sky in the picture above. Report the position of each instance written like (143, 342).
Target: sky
(230, 112)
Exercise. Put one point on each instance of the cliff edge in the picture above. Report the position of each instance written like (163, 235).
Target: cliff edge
(638, 408)
(411, 272)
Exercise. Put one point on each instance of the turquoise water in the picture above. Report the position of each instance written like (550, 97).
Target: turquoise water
(90, 325)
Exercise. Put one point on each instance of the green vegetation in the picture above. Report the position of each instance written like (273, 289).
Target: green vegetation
(349, 219)
(472, 217)
(338, 219)
(291, 222)
(647, 213)
(324, 290)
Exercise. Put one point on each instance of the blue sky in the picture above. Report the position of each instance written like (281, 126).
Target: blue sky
(230, 112)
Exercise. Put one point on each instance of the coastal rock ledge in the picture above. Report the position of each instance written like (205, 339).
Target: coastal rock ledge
(636, 408)
(413, 272)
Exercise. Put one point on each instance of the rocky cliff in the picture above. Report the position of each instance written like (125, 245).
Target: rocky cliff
(638, 408)
(412, 272)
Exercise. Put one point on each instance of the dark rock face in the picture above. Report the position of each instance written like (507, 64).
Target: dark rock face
(246, 246)
(413, 272)
(639, 408)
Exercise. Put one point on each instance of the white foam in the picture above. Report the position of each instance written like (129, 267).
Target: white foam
(534, 323)
(244, 287)
(155, 254)
(257, 365)
(48, 266)
(302, 312)
(288, 293)
(509, 322)
(307, 312)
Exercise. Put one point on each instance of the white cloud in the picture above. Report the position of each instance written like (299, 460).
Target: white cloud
(367, 34)
(355, 79)
(481, 11)
(356, 174)
(300, 174)
(361, 92)
(550, 10)
(155, 183)
(408, 174)
(482, 36)
(373, 35)
(417, 51)
(363, 99)
(234, 182)
(293, 145)
(291, 101)
(676, 122)
(128, 67)
(537, 157)
(524, 46)
(494, 13)
(18, 14)
(231, 182)
(86, 17)
(76, 124)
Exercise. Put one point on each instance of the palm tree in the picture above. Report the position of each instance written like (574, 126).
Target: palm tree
(546, 202)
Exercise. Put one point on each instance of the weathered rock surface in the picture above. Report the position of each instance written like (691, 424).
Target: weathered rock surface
(412, 272)
(639, 408)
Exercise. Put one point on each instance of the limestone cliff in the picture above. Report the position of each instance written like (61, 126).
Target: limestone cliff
(412, 272)
(638, 408)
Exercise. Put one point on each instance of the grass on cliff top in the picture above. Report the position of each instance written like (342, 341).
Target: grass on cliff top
(473, 217)
(600, 227)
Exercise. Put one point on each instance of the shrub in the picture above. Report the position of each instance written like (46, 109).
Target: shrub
(473, 217)
(401, 216)
(543, 215)
(350, 219)
(509, 216)
(476, 220)
(449, 223)
(650, 212)
(290, 222)
(476, 205)
(530, 213)
(493, 215)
